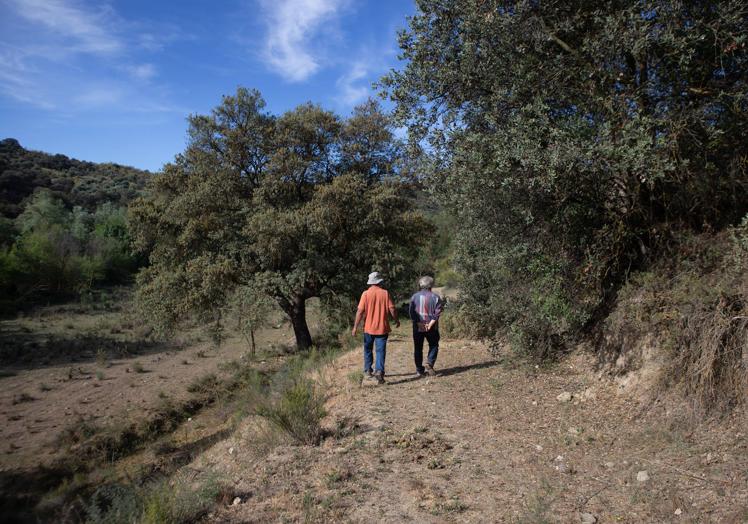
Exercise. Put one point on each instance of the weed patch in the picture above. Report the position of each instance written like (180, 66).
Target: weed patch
(297, 412)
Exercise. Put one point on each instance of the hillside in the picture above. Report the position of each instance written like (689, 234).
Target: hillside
(76, 182)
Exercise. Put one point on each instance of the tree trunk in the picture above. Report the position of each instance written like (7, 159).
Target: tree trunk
(252, 335)
(296, 311)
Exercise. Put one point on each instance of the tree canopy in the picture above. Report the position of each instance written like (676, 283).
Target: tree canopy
(74, 182)
(573, 140)
(298, 206)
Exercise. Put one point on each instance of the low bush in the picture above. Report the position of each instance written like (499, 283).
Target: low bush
(297, 412)
(161, 502)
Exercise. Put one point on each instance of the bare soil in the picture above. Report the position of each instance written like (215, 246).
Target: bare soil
(488, 441)
(68, 365)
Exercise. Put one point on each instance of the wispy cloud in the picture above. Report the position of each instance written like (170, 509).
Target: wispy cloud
(360, 71)
(293, 26)
(67, 55)
(89, 31)
(141, 71)
(352, 85)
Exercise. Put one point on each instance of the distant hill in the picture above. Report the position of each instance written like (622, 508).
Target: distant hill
(76, 182)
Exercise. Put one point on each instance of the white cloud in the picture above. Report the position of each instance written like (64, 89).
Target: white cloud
(70, 55)
(142, 71)
(352, 85)
(366, 65)
(99, 97)
(90, 32)
(292, 26)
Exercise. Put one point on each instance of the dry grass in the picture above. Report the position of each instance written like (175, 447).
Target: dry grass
(715, 357)
(692, 311)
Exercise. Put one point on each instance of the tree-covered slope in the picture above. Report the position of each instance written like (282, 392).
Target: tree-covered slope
(76, 182)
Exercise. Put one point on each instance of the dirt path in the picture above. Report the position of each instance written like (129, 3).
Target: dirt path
(486, 442)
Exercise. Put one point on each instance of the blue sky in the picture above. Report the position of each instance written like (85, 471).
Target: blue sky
(114, 81)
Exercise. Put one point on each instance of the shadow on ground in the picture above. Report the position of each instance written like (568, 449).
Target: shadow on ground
(20, 349)
(443, 372)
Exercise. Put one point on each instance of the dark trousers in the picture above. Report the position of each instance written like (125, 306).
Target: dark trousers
(418, 337)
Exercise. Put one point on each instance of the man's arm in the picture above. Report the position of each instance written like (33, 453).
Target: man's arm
(437, 312)
(360, 314)
(393, 311)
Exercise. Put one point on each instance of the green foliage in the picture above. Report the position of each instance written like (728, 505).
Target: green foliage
(159, 502)
(298, 411)
(571, 142)
(61, 253)
(292, 207)
(252, 309)
(76, 183)
(44, 211)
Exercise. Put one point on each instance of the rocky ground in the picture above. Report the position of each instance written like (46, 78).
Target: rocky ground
(488, 441)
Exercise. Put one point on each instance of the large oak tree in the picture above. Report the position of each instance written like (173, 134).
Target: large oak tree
(297, 206)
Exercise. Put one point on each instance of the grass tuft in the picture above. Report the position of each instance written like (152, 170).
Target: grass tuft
(298, 412)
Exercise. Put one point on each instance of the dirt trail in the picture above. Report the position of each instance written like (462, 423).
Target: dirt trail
(489, 442)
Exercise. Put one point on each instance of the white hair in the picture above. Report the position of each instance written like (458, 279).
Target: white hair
(426, 282)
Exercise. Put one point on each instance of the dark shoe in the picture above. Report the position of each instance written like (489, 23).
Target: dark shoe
(379, 376)
(420, 374)
(430, 370)
(370, 377)
(368, 374)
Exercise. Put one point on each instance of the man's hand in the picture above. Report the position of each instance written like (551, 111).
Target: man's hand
(397, 322)
(430, 325)
(354, 331)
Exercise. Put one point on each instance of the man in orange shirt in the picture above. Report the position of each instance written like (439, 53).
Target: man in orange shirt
(375, 306)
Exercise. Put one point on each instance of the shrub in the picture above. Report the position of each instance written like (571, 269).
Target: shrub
(159, 502)
(297, 412)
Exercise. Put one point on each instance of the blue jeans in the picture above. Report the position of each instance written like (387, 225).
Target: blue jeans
(381, 343)
(418, 337)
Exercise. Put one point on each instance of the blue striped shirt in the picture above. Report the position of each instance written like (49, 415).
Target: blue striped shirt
(425, 306)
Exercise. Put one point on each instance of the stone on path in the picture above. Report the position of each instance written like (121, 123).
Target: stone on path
(564, 397)
(642, 476)
(587, 518)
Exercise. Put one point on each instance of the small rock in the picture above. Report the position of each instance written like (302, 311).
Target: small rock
(642, 476)
(573, 431)
(564, 397)
(589, 394)
(609, 465)
(587, 518)
(231, 451)
(534, 402)
(538, 447)
(236, 501)
(678, 511)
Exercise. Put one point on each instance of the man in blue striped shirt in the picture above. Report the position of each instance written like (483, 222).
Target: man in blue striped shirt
(425, 309)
